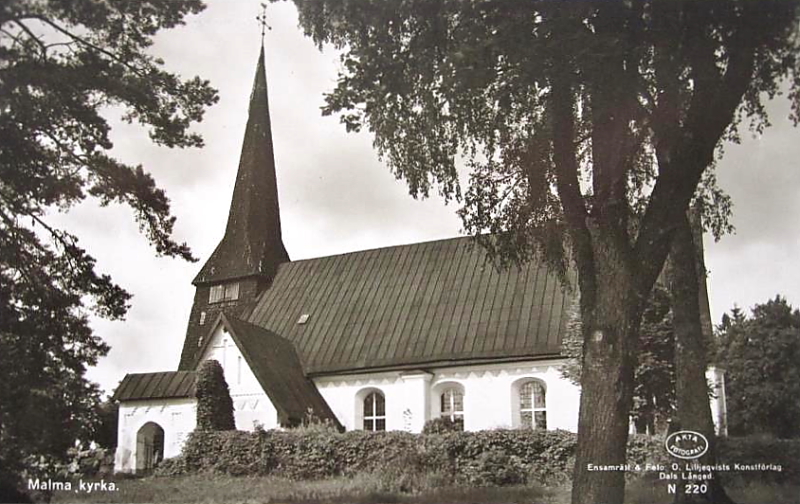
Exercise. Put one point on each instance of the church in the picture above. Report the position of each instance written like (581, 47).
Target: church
(382, 339)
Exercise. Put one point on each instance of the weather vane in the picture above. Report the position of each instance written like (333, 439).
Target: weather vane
(262, 20)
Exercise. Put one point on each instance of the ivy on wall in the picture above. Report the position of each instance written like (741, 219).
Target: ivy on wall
(214, 403)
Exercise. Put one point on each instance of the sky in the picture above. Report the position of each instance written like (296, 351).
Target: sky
(336, 196)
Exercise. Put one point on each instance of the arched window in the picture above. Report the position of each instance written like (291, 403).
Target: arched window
(532, 405)
(374, 412)
(452, 405)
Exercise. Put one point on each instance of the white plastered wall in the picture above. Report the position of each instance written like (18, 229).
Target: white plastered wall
(412, 398)
(250, 403)
(177, 417)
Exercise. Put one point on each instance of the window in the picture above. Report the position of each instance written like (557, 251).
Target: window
(532, 408)
(225, 292)
(452, 406)
(216, 293)
(374, 412)
(202, 317)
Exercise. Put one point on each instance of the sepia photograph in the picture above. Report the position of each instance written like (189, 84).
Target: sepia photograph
(400, 251)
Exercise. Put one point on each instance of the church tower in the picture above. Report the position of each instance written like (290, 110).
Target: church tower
(247, 258)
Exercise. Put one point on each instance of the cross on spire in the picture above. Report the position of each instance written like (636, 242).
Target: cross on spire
(262, 20)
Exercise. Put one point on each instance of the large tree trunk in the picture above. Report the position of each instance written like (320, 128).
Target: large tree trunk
(610, 312)
(610, 318)
(691, 390)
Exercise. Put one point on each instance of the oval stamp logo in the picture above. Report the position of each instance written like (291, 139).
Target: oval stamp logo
(686, 444)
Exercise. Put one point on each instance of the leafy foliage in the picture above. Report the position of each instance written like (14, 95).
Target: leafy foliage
(515, 456)
(441, 425)
(761, 354)
(61, 65)
(411, 462)
(214, 403)
(654, 389)
(761, 450)
(587, 128)
(90, 463)
(104, 430)
(433, 81)
(496, 468)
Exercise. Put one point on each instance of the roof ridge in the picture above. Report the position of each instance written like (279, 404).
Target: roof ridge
(160, 372)
(388, 247)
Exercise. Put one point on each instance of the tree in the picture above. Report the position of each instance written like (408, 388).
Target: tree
(214, 403)
(587, 126)
(762, 358)
(104, 429)
(654, 378)
(61, 65)
(693, 340)
(670, 386)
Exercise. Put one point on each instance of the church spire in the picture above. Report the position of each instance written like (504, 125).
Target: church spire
(252, 245)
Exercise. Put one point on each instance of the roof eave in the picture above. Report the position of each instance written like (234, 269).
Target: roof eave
(426, 365)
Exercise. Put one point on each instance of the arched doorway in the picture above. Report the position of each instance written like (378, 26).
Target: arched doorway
(149, 447)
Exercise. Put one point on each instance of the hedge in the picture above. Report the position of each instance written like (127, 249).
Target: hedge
(410, 461)
(478, 458)
(760, 450)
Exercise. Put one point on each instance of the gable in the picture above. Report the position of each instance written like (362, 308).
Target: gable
(268, 363)
(427, 303)
(222, 347)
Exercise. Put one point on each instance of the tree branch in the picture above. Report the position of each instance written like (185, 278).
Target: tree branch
(712, 108)
(58, 236)
(22, 262)
(89, 44)
(561, 109)
(33, 37)
(13, 36)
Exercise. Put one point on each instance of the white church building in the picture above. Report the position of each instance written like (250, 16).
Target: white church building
(382, 339)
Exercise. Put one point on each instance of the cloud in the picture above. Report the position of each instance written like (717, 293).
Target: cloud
(763, 179)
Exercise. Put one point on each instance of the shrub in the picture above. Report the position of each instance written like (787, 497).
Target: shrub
(443, 424)
(175, 466)
(495, 468)
(410, 473)
(104, 430)
(93, 462)
(753, 450)
(214, 403)
(643, 448)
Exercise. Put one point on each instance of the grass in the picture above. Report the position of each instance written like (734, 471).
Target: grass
(363, 489)
(648, 491)
(761, 494)
(366, 489)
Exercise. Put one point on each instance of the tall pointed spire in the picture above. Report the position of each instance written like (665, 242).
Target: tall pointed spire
(252, 245)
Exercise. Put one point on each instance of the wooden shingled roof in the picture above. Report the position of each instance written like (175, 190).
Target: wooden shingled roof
(432, 303)
(252, 244)
(164, 385)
